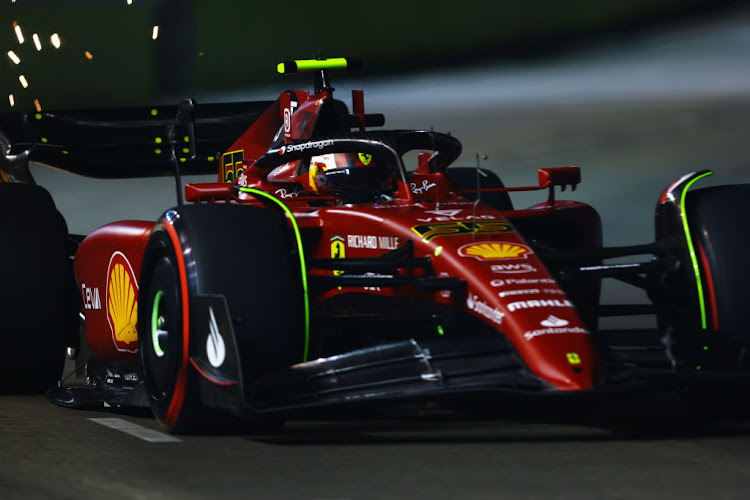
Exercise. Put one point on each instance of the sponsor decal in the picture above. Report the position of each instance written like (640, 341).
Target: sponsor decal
(283, 193)
(111, 377)
(495, 250)
(444, 213)
(573, 358)
(521, 281)
(426, 186)
(216, 351)
(465, 218)
(513, 268)
(91, 298)
(554, 321)
(553, 291)
(554, 331)
(429, 231)
(529, 291)
(287, 121)
(533, 304)
(242, 180)
(122, 303)
(482, 308)
(303, 146)
(375, 242)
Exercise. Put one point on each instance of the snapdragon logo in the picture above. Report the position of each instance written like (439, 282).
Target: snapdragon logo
(290, 148)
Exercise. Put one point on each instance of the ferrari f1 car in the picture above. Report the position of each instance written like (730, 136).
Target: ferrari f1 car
(336, 268)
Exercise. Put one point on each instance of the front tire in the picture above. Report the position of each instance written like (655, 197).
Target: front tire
(242, 253)
(721, 238)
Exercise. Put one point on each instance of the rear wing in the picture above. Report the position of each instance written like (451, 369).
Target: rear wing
(129, 142)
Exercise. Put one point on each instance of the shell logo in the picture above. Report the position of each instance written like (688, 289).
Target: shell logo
(493, 250)
(122, 303)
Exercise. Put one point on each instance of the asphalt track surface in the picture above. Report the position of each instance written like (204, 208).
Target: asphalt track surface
(634, 116)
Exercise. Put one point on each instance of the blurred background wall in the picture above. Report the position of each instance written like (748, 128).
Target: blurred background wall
(109, 54)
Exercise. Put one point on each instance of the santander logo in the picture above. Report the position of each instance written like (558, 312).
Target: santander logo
(554, 322)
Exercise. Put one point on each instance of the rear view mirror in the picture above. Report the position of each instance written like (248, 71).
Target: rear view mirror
(560, 176)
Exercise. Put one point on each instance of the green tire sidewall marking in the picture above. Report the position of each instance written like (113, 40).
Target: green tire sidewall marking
(155, 324)
(301, 253)
(691, 249)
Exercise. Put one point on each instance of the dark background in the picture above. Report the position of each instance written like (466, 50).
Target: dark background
(217, 45)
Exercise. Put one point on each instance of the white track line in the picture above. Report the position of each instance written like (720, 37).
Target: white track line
(136, 430)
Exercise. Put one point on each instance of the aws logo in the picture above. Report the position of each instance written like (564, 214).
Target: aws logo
(122, 303)
(495, 251)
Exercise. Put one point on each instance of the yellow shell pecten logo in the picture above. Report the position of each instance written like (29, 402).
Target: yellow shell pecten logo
(122, 303)
(492, 250)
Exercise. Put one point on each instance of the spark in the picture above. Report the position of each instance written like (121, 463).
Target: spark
(37, 42)
(14, 57)
(88, 55)
(37, 105)
(18, 32)
(23, 81)
(12, 100)
(55, 39)
(155, 33)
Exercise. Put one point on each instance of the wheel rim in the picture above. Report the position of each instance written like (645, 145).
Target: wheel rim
(161, 347)
(159, 331)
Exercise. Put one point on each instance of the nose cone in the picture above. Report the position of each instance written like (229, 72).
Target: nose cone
(558, 349)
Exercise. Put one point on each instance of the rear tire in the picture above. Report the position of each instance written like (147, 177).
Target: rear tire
(38, 303)
(243, 253)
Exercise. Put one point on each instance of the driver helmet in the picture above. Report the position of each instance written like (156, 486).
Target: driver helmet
(342, 173)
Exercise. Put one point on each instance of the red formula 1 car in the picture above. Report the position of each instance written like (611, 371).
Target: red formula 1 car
(333, 268)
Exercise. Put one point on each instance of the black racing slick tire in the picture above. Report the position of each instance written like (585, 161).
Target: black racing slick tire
(242, 253)
(720, 232)
(38, 304)
(467, 178)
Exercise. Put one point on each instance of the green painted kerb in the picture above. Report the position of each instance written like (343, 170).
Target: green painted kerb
(297, 234)
(155, 324)
(691, 248)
